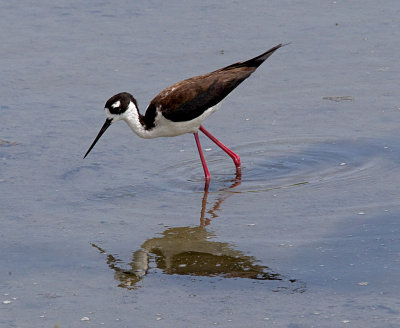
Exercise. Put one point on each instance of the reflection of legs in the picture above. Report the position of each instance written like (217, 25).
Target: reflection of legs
(204, 221)
(203, 161)
(235, 157)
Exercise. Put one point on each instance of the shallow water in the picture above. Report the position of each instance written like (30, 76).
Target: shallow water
(307, 236)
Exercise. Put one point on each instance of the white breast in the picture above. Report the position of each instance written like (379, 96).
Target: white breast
(166, 128)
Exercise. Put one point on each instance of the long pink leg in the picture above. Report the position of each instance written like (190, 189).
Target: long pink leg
(235, 157)
(203, 161)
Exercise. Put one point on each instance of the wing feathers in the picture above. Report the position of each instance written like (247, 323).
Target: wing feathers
(188, 99)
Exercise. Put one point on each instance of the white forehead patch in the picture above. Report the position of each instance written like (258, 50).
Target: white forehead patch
(116, 104)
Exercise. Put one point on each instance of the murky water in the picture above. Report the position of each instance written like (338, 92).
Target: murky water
(307, 236)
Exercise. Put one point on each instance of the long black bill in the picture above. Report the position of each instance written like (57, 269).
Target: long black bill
(107, 123)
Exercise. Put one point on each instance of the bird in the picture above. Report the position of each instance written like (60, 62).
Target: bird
(182, 107)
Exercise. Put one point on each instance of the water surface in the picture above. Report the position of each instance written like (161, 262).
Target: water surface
(307, 236)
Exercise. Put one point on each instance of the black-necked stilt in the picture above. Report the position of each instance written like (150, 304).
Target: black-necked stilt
(182, 107)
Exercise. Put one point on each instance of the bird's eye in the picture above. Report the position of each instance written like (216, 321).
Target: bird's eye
(115, 108)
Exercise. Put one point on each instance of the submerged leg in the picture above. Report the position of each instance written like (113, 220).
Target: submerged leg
(203, 161)
(235, 157)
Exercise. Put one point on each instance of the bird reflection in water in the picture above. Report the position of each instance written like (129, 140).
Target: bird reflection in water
(192, 251)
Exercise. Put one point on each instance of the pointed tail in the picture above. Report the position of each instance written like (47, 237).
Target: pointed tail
(257, 61)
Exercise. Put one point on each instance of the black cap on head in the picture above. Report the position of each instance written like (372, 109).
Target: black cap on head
(119, 103)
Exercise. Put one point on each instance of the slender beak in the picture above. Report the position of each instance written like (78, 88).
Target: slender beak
(107, 123)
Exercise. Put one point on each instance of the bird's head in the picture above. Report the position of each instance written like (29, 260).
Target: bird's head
(117, 108)
(119, 105)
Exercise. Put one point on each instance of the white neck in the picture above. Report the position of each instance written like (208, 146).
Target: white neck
(131, 117)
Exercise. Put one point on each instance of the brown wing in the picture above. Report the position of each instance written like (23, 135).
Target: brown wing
(188, 99)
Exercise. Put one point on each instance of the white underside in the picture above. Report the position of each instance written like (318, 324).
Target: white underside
(166, 128)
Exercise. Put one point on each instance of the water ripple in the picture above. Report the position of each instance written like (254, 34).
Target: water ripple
(282, 163)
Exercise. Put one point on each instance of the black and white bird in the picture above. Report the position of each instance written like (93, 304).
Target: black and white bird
(182, 107)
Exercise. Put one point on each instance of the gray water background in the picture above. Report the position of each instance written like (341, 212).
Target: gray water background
(317, 128)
